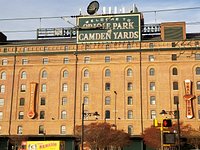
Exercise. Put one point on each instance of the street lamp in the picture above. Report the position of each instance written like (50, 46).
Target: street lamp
(177, 116)
(84, 114)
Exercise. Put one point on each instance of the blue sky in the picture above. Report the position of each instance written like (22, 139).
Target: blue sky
(54, 8)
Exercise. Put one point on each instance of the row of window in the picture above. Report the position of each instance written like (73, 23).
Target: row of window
(41, 129)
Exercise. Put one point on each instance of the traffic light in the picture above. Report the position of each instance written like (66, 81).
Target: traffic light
(167, 122)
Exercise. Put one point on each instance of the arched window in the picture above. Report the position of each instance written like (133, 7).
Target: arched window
(65, 74)
(23, 75)
(63, 115)
(107, 73)
(107, 100)
(151, 71)
(130, 114)
(107, 114)
(130, 100)
(44, 74)
(3, 75)
(197, 70)
(86, 73)
(174, 71)
(129, 72)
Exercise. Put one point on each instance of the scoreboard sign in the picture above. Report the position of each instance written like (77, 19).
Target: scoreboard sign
(109, 28)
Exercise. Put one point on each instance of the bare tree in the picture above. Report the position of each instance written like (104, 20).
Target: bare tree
(103, 135)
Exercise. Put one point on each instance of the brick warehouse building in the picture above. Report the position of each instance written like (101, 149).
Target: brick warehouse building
(44, 82)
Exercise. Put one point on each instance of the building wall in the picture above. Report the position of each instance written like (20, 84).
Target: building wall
(117, 52)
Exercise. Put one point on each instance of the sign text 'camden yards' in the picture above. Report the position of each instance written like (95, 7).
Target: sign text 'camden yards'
(109, 28)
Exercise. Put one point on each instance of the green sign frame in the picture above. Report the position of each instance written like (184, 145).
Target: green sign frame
(109, 28)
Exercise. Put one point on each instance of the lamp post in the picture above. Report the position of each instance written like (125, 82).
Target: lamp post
(84, 114)
(177, 115)
(115, 109)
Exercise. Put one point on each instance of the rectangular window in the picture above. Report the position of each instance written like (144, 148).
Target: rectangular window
(86, 87)
(176, 99)
(151, 45)
(4, 62)
(197, 56)
(66, 60)
(129, 58)
(199, 114)
(42, 114)
(174, 57)
(153, 114)
(19, 130)
(152, 100)
(1, 115)
(107, 59)
(24, 61)
(86, 59)
(45, 61)
(107, 87)
(21, 101)
(152, 86)
(21, 115)
(42, 101)
(175, 85)
(23, 88)
(151, 58)
(64, 100)
(1, 101)
(44, 88)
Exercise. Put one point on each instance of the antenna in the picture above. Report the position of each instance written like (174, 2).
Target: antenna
(93, 7)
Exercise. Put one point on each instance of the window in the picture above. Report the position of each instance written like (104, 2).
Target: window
(130, 86)
(130, 129)
(174, 71)
(130, 100)
(19, 130)
(130, 114)
(21, 101)
(25, 49)
(65, 74)
(151, 58)
(107, 114)
(198, 98)
(24, 61)
(44, 88)
(64, 87)
(152, 86)
(23, 75)
(152, 100)
(153, 114)
(63, 115)
(107, 73)
(199, 114)
(2, 88)
(175, 85)
(197, 56)
(107, 59)
(151, 45)
(44, 74)
(66, 48)
(129, 58)
(1, 101)
(86, 87)
(3, 75)
(4, 62)
(198, 85)
(197, 70)
(66, 60)
(63, 129)
(86, 73)
(21, 115)
(107, 87)
(107, 100)
(107, 46)
(86, 100)
(176, 100)
(41, 129)
(64, 101)
(86, 59)
(129, 72)
(42, 114)
(174, 57)
(45, 61)
(1, 115)
(23, 88)
(151, 71)
(129, 46)
(42, 101)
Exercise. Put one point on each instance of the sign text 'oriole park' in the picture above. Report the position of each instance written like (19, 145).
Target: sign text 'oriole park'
(109, 28)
